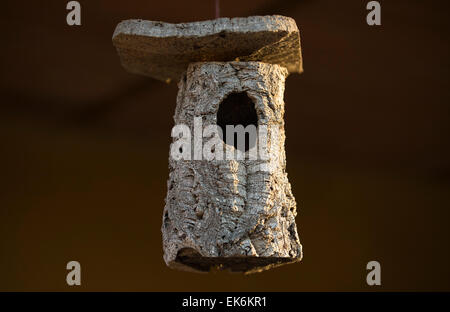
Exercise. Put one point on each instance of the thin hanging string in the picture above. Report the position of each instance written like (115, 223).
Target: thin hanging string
(217, 8)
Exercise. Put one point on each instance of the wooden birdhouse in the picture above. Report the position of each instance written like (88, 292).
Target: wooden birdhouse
(229, 203)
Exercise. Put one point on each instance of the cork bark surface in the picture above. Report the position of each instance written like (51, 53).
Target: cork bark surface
(231, 214)
(163, 50)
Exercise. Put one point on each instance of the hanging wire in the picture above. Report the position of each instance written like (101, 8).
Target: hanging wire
(217, 6)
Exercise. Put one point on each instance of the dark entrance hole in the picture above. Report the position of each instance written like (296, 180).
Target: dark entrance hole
(237, 109)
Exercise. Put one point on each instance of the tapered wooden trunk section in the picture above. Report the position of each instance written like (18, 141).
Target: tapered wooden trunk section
(236, 214)
(231, 214)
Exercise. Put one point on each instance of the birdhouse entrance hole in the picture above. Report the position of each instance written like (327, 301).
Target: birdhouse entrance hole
(237, 109)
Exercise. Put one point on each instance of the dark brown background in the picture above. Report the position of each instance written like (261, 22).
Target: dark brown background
(84, 148)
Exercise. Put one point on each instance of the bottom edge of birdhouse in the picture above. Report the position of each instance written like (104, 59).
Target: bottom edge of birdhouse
(189, 260)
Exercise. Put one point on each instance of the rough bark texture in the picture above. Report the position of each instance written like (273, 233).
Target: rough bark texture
(163, 50)
(230, 214)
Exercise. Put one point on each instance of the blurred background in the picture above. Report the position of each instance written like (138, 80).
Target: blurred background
(84, 148)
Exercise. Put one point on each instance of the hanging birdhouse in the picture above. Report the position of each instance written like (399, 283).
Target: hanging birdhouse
(229, 203)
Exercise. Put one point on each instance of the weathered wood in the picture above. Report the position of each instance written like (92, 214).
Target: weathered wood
(232, 214)
(237, 214)
(163, 50)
